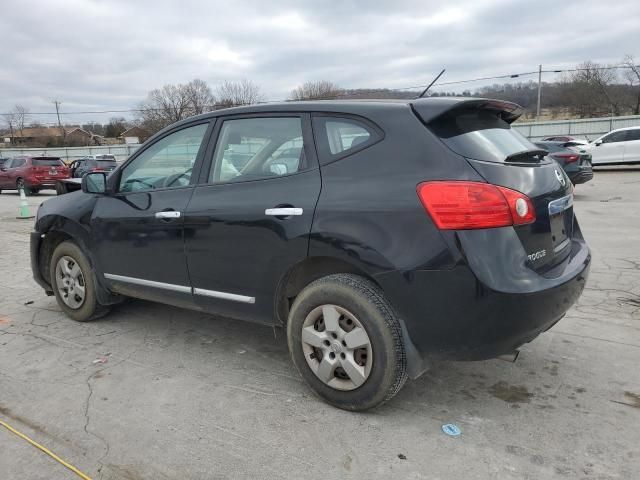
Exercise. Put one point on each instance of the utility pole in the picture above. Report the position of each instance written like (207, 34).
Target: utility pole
(539, 91)
(64, 134)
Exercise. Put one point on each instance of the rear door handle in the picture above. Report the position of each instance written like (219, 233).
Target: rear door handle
(283, 211)
(167, 215)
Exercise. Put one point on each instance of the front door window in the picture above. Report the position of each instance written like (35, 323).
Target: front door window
(168, 163)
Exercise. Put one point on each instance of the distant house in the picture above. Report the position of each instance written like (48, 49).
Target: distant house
(50, 137)
(135, 135)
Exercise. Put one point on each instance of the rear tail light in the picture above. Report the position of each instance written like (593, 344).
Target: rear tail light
(472, 205)
(566, 157)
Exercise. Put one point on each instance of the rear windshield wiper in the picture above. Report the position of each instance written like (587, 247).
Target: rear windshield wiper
(534, 154)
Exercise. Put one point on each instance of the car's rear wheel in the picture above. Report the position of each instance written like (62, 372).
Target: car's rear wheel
(346, 341)
(20, 184)
(73, 283)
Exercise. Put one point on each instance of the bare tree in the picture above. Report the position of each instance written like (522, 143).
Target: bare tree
(632, 74)
(244, 92)
(200, 97)
(171, 103)
(318, 90)
(591, 82)
(21, 114)
(115, 127)
(16, 120)
(10, 120)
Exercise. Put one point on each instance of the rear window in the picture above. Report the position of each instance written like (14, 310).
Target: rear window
(46, 162)
(337, 137)
(106, 163)
(479, 134)
(550, 147)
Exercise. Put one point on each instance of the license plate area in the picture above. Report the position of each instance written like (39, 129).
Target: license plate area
(561, 222)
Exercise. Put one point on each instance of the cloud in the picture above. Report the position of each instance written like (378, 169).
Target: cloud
(103, 55)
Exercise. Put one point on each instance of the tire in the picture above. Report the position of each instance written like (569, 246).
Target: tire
(20, 184)
(381, 369)
(88, 308)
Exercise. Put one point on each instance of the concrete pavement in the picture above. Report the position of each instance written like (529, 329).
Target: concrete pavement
(183, 395)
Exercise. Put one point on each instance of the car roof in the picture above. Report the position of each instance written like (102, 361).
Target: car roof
(428, 108)
(625, 128)
(435, 106)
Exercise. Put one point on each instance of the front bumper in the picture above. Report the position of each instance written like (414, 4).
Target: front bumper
(453, 315)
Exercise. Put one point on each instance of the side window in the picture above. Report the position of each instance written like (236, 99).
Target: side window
(7, 163)
(615, 137)
(338, 136)
(633, 135)
(165, 164)
(258, 148)
(18, 162)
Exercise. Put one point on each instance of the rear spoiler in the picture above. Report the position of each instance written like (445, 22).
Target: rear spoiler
(429, 109)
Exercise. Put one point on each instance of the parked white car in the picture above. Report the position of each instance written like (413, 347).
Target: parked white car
(621, 146)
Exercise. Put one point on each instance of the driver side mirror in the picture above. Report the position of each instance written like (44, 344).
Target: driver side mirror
(94, 182)
(598, 143)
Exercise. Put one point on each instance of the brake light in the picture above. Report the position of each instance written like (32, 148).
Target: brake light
(473, 205)
(566, 157)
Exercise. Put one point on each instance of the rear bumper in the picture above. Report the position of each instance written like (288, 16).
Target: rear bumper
(42, 183)
(454, 315)
(582, 176)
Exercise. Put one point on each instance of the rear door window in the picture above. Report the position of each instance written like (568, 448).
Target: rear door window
(615, 137)
(337, 137)
(633, 135)
(479, 134)
(18, 162)
(550, 147)
(258, 148)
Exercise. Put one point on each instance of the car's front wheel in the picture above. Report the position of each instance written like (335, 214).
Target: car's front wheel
(346, 341)
(73, 283)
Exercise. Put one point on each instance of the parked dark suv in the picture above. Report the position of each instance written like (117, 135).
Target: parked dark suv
(575, 162)
(405, 231)
(99, 163)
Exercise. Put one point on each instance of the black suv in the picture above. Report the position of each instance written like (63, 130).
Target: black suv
(100, 163)
(404, 231)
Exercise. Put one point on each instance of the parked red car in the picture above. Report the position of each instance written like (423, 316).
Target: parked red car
(32, 173)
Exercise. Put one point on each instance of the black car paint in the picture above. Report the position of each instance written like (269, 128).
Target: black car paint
(460, 294)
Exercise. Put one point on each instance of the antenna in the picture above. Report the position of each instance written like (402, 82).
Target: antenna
(431, 84)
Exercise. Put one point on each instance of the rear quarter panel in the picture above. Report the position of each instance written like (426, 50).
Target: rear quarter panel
(369, 213)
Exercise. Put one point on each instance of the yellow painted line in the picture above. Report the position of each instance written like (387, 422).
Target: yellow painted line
(45, 450)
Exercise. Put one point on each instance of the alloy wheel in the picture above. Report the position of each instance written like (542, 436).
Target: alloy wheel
(337, 347)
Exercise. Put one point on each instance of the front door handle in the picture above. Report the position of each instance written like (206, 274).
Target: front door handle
(283, 211)
(167, 215)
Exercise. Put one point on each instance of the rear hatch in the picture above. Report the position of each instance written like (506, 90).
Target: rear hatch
(104, 166)
(480, 131)
(48, 168)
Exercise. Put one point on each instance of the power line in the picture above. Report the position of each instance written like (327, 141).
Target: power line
(346, 94)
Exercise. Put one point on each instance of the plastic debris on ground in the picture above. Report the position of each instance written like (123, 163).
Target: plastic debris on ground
(451, 429)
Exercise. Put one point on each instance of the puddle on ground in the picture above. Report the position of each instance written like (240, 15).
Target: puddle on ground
(511, 393)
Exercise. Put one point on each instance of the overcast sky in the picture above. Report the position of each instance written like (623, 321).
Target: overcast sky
(96, 55)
